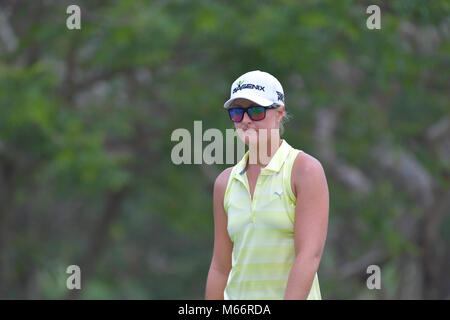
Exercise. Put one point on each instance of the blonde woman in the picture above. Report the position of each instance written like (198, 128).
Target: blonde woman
(270, 209)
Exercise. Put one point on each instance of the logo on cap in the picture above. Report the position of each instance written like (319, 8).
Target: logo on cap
(280, 96)
(241, 86)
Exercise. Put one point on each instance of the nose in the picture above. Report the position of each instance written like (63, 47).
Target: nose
(246, 119)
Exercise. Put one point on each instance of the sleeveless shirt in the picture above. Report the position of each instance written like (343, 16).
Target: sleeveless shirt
(262, 229)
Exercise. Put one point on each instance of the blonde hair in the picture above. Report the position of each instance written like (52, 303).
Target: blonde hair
(286, 117)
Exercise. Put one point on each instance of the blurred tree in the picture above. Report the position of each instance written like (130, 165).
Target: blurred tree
(86, 117)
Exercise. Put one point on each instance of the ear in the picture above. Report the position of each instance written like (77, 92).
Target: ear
(281, 112)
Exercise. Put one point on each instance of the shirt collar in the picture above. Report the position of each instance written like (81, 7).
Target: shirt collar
(274, 165)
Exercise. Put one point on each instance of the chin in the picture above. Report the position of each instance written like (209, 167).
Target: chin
(251, 140)
(249, 136)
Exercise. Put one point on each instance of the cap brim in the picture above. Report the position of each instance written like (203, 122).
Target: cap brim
(252, 97)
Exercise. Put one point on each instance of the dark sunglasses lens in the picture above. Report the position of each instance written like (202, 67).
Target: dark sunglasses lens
(257, 113)
(236, 115)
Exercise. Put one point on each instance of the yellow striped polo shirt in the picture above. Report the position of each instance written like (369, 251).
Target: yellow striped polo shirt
(262, 230)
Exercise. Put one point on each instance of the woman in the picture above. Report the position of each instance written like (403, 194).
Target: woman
(270, 210)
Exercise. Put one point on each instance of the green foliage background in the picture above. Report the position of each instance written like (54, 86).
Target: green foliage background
(86, 117)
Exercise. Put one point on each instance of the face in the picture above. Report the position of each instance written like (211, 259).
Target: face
(251, 130)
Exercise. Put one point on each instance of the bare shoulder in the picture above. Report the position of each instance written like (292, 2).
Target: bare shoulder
(221, 181)
(307, 170)
(305, 162)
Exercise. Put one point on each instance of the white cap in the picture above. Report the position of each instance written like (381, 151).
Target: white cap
(257, 86)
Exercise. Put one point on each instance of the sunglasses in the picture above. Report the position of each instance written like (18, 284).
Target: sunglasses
(256, 113)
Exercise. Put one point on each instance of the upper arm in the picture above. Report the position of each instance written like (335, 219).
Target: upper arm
(312, 205)
(223, 246)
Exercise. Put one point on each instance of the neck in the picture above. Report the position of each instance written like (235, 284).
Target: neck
(263, 152)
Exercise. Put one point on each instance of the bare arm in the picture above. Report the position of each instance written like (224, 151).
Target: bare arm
(223, 246)
(311, 223)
